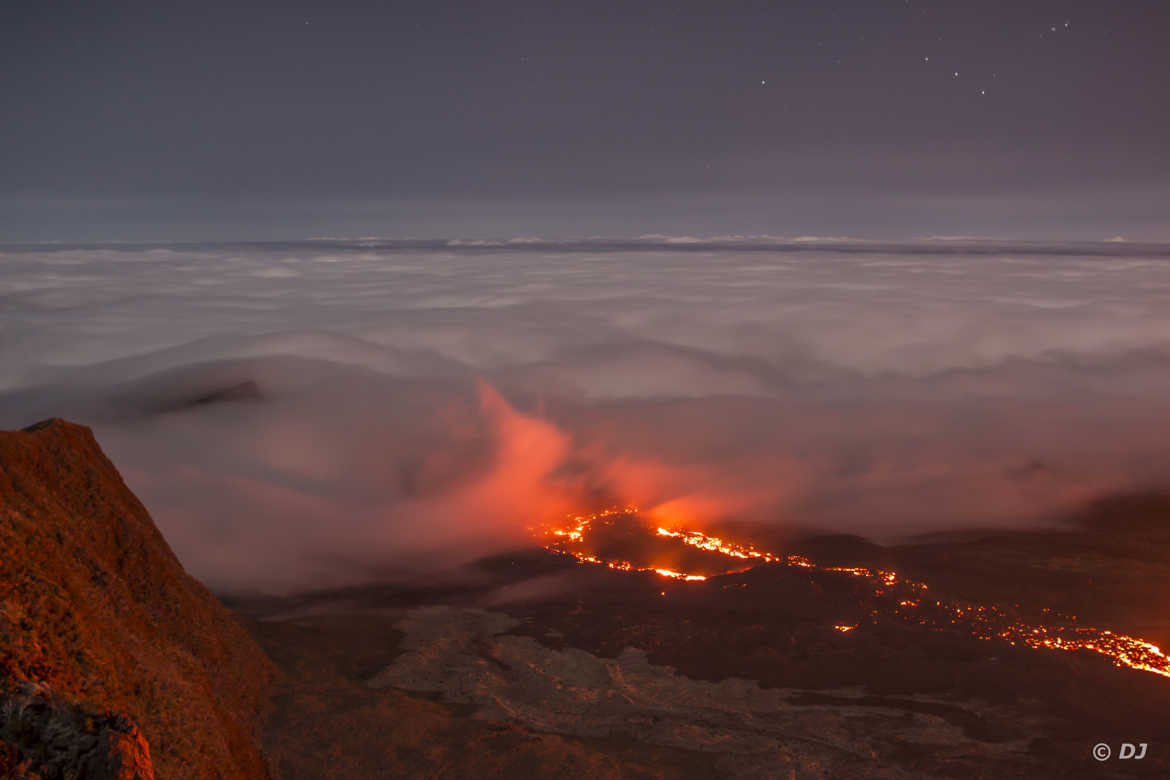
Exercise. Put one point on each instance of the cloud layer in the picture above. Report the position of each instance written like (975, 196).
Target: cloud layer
(414, 404)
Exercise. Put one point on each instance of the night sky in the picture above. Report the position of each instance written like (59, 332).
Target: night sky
(872, 118)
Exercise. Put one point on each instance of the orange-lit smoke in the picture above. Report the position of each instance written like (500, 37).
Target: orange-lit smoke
(694, 494)
(519, 487)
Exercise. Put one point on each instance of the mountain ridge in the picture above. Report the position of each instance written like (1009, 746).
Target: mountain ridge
(98, 617)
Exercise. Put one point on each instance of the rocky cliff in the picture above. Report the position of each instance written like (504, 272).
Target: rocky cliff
(109, 652)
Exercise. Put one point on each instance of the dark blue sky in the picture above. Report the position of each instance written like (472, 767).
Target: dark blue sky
(214, 120)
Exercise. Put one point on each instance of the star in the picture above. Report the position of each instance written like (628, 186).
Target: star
(926, 59)
(956, 74)
(763, 83)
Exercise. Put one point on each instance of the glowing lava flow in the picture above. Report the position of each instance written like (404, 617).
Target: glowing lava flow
(984, 622)
(577, 534)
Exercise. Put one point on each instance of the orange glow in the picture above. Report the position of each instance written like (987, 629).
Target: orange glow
(679, 575)
(984, 622)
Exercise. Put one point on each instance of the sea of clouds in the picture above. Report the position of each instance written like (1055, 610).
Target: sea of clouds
(336, 411)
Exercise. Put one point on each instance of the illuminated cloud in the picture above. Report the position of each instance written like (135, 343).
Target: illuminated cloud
(328, 413)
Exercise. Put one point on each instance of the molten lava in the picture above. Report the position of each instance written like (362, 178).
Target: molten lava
(983, 622)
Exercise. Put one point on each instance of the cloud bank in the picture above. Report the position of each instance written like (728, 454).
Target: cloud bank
(332, 412)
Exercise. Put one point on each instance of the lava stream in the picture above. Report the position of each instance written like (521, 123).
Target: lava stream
(984, 622)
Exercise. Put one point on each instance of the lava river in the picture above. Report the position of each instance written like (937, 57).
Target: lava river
(909, 599)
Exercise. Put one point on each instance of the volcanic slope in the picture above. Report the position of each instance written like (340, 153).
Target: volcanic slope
(768, 668)
(103, 636)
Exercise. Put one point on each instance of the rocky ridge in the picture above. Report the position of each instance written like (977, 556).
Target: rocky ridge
(110, 653)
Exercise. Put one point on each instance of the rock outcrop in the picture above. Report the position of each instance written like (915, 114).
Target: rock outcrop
(46, 739)
(109, 652)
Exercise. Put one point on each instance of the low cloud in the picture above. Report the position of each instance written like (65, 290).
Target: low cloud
(318, 415)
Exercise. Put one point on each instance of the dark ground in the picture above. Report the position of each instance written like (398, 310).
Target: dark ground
(375, 685)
